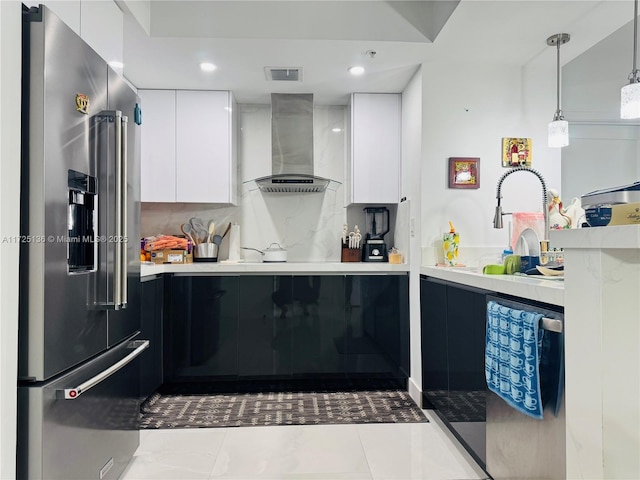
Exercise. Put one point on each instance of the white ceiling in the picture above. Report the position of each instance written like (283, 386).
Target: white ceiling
(326, 37)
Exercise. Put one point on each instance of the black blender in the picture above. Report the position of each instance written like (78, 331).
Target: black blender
(377, 222)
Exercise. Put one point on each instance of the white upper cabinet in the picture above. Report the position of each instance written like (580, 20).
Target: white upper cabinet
(188, 147)
(102, 27)
(158, 146)
(204, 150)
(373, 170)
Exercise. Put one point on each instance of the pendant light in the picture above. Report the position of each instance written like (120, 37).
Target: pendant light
(630, 94)
(559, 127)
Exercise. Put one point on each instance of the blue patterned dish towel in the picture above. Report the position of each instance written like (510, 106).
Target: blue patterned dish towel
(512, 357)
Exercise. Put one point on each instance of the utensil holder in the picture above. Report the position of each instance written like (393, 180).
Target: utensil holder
(205, 252)
(351, 254)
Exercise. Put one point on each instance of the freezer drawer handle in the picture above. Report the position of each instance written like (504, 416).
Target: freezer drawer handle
(73, 393)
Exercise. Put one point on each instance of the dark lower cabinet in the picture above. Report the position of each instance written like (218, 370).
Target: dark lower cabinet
(151, 324)
(264, 326)
(287, 327)
(202, 334)
(377, 325)
(453, 340)
(466, 322)
(435, 356)
(318, 325)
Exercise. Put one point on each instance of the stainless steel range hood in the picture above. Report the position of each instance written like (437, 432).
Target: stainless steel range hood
(292, 147)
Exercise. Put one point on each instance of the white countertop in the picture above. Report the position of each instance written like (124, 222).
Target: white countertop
(311, 268)
(530, 287)
(536, 287)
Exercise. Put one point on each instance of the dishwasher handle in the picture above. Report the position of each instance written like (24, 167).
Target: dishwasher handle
(551, 324)
(73, 393)
(547, 322)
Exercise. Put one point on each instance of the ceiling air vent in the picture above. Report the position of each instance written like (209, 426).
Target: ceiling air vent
(284, 74)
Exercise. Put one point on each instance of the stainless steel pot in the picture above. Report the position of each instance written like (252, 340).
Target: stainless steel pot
(274, 253)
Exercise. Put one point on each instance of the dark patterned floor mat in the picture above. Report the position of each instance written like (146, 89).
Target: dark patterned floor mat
(163, 410)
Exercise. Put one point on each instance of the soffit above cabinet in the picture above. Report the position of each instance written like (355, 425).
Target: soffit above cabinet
(244, 37)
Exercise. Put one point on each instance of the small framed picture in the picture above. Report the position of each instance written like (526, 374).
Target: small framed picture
(516, 152)
(464, 172)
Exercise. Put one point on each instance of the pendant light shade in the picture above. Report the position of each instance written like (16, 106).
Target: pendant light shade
(559, 127)
(558, 133)
(630, 94)
(630, 101)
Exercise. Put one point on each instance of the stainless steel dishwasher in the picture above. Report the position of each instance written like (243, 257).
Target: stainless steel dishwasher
(518, 446)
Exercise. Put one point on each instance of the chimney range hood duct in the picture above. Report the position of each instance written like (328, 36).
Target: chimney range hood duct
(292, 147)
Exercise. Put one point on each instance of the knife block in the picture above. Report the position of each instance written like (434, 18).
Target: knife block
(351, 254)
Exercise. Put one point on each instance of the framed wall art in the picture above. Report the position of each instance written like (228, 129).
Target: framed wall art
(516, 152)
(464, 172)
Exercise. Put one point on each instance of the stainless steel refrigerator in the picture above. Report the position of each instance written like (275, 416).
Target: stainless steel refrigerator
(78, 401)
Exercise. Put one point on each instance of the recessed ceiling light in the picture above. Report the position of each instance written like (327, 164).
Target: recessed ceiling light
(207, 67)
(116, 64)
(357, 70)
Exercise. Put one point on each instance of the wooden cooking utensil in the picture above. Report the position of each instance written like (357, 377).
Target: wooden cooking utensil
(187, 229)
(226, 230)
(211, 229)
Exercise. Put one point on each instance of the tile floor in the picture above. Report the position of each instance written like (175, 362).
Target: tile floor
(370, 451)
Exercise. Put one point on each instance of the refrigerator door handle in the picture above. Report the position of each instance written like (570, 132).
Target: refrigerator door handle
(122, 235)
(117, 275)
(119, 237)
(73, 393)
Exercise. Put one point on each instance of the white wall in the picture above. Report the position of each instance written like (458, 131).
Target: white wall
(140, 10)
(591, 82)
(10, 64)
(467, 111)
(605, 149)
(412, 139)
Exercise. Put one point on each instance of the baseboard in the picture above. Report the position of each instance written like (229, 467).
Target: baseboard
(414, 391)
(283, 384)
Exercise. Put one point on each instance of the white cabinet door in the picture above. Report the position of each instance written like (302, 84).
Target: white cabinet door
(158, 145)
(374, 167)
(102, 27)
(206, 172)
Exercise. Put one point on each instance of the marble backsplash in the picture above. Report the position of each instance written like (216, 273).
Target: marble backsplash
(307, 225)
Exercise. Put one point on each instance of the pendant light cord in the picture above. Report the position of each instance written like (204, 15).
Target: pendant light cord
(558, 112)
(634, 73)
(556, 41)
